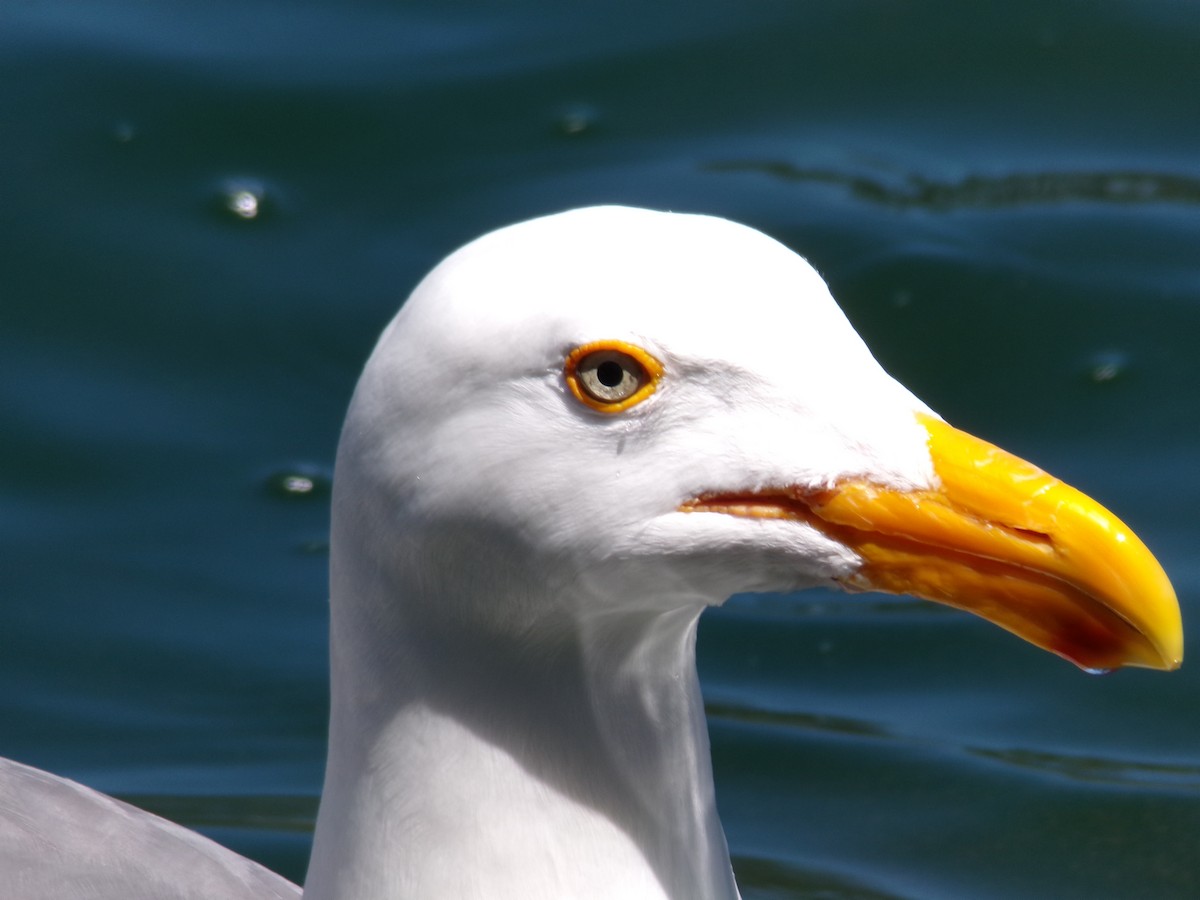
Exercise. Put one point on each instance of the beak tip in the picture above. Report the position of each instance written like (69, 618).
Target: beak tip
(1173, 658)
(1133, 650)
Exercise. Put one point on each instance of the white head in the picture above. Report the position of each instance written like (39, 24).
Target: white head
(464, 414)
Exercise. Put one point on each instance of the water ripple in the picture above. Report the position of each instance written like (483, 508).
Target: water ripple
(731, 712)
(761, 879)
(1096, 770)
(1092, 770)
(987, 191)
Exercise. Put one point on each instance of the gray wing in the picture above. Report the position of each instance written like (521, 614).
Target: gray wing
(62, 841)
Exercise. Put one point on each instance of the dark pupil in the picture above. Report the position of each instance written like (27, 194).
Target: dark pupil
(610, 373)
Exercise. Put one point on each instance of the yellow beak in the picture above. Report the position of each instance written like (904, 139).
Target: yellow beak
(1002, 539)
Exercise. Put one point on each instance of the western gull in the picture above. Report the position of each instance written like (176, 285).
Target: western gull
(577, 434)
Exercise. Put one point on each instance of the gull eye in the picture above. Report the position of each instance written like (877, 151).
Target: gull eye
(611, 376)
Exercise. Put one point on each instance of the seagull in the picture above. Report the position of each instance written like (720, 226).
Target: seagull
(577, 434)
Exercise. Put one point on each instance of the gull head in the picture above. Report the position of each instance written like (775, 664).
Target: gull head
(616, 410)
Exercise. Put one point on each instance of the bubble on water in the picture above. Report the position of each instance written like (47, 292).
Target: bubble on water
(1107, 366)
(245, 199)
(243, 203)
(298, 482)
(1092, 671)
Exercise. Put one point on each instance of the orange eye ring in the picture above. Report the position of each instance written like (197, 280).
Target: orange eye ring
(611, 376)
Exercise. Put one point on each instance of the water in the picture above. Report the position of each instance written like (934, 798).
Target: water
(208, 214)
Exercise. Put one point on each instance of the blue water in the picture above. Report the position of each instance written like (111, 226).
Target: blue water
(1004, 197)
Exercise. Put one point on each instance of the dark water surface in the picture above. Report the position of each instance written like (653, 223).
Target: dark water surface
(208, 212)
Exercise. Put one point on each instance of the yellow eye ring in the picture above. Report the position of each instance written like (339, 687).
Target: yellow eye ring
(611, 376)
